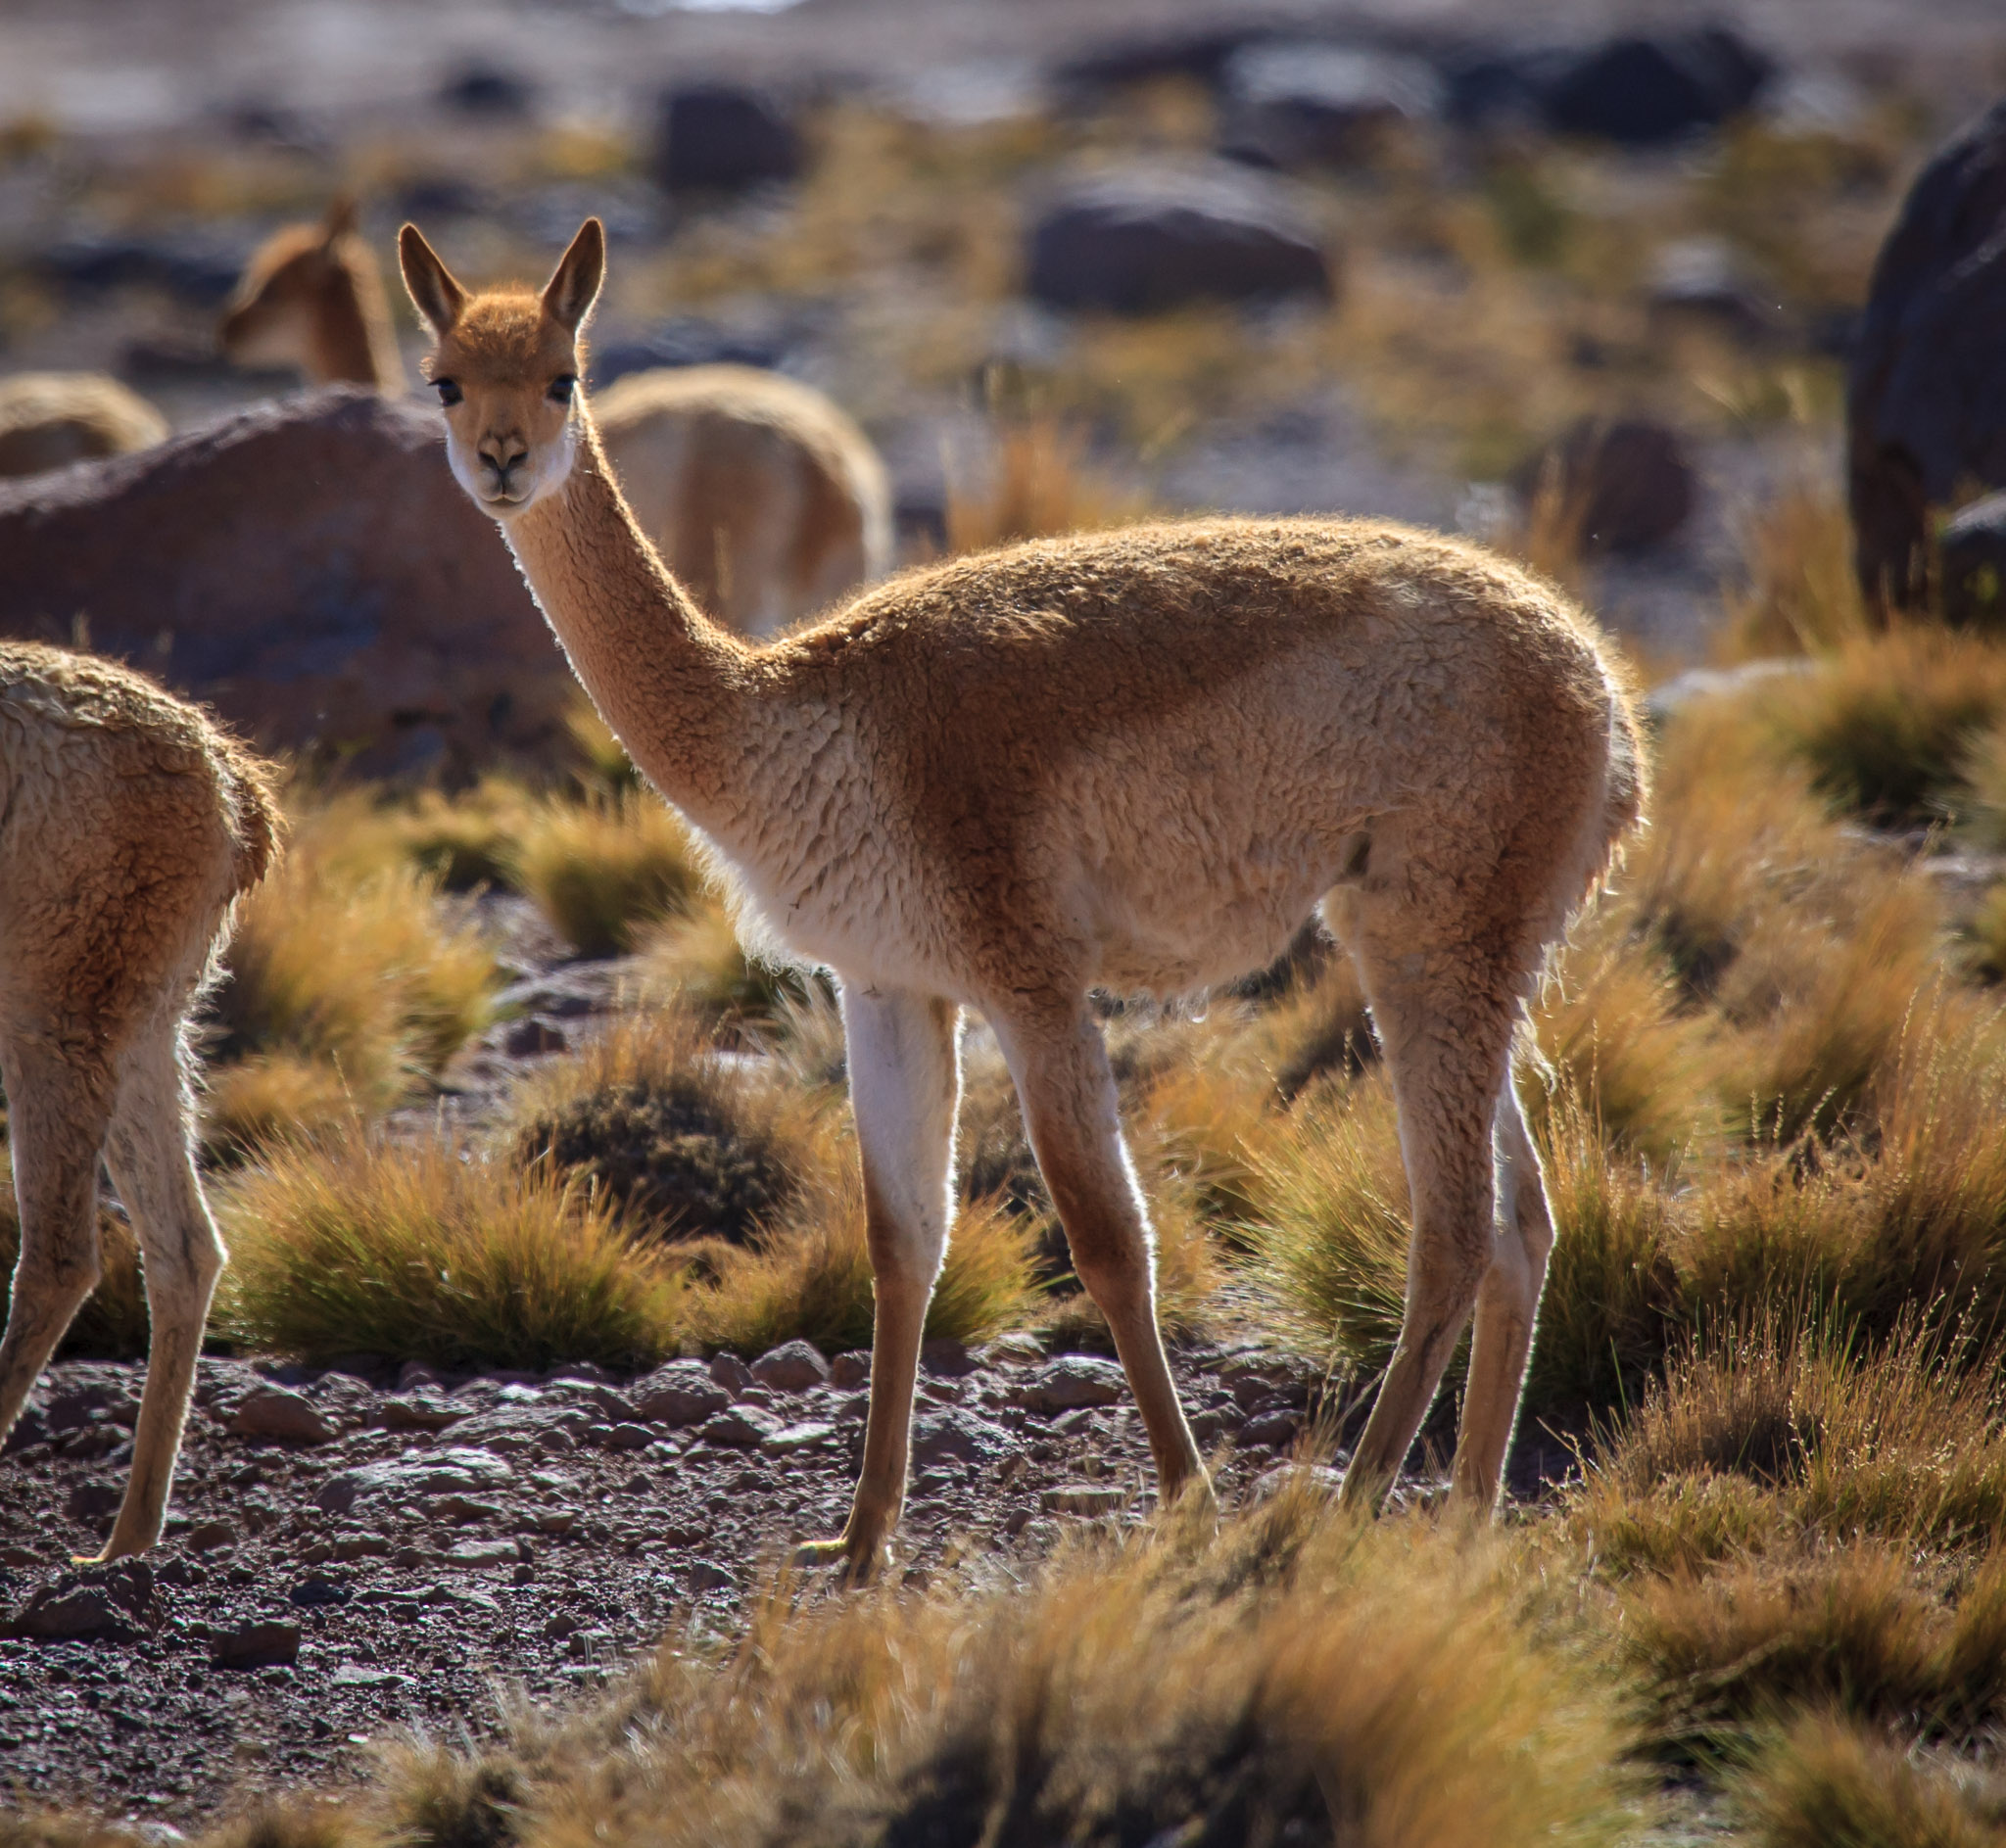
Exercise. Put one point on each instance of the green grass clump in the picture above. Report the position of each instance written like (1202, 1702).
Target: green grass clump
(654, 1118)
(364, 1245)
(810, 1279)
(603, 867)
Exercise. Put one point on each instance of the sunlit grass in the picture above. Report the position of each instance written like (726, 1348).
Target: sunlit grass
(604, 867)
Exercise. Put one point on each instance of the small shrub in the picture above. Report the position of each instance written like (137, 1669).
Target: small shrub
(1041, 486)
(601, 868)
(466, 840)
(362, 1246)
(1801, 595)
(700, 964)
(270, 1097)
(811, 1279)
(604, 763)
(655, 1119)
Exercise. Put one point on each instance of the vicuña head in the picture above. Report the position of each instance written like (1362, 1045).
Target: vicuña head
(312, 297)
(505, 369)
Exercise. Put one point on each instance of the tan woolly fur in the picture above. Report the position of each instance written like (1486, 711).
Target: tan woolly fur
(313, 297)
(1133, 761)
(765, 499)
(50, 419)
(130, 826)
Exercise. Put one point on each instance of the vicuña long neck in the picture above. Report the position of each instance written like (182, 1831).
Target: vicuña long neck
(354, 340)
(673, 686)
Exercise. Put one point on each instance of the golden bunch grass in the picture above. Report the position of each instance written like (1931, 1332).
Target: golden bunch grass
(698, 961)
(809, 1278)
(602, 869)
(113, 1323)
(365, 969)
(1822, 1779)
(1042, 486)
(1801, 594)
(270, 1097)
(360, 1245)
(1377, 1687)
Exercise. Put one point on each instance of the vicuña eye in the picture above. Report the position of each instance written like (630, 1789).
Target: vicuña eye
(448, 391)
(561, 388)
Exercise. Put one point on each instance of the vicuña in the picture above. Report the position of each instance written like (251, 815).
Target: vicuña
(130, 826)
(1133, 761)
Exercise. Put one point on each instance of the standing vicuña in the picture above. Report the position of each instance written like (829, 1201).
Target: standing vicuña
(1135, 761)
(766, 498)
(129, 826)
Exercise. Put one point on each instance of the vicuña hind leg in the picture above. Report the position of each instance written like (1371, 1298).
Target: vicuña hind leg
(1508, 1306)
(151, 1161)
(1071, 1110)
(1445, 1019)
(905, 1089)
(58, 1102)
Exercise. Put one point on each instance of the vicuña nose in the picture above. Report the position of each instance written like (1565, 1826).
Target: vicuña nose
(503, 453)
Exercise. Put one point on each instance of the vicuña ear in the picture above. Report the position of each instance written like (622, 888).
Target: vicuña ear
(575, 286)
(341, 219)
(432, 291)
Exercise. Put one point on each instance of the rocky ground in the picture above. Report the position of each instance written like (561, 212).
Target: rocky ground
(365, 1549)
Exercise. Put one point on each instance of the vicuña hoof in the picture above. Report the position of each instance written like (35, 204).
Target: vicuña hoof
(857, 1560)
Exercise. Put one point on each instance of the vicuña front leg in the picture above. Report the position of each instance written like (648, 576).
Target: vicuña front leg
(151, 1161)
(1072, 1111)
(905, 1088)
(58, 1110)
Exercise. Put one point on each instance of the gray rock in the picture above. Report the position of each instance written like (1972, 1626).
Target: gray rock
(627, 1437)
(707, 1576)
(310, 1594)
(92, 1501)
(1972, 559)
(450, 1471)
(1925, 398)
(420, 1411)
(801, 1437)
(534, 1038)
(205, 1537)
(1291, 103)
(1270, 1429)
(356, 1675)
(957, 1434)
(517, 1426)
(497, 1553)
(791, 1367)
(271, 1412)
(947, 1359)
(1315, 1478)
(732, 1373)
(1698, 683)
(681, 1392)
(258, 1646)
(850, 1370)
(1071, 1381)
(1629, 483)
(740, 1428)
(56, 1615)
(1083, 1498)
(1142, 240)
(726, 136)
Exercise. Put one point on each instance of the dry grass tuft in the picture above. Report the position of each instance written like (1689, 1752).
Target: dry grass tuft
(1823, 1780)
(1042, 486)
(1289, 1685)
(810, 1278)
(270, 1097)
(362, 1246)
(368, 971)
(700, 962)
(656, 1120)
(113, 1324)
(603, 867)
(1801, 595)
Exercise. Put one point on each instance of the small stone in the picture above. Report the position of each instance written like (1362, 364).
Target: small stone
(449, 1471)
(534, 1038)
(705, 1575)
(850, 1370)
(1071, 1381)
(1317, 1479)
(1082, 1499)
(409, 1558)
(798, 1437)
(92, 1501)
(355, 1675)
(258, 1646)
(481, 1553)
(271, 1412)
(554, 1519)
(958, 1436)
(681, 1392)
(209, 1536)
(627, 1438)
(419, 1413)
(461, 1508)
(1074, 1423)
(361, 1546)
(792, 1367)
(310, 1592)
(60, 1614)
(947, 1358)
(564, 1624)
(732, 1373)
(741, 1428)
(1271, 1429)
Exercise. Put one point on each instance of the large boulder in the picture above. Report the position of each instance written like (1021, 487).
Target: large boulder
(1972, 569)
(1925, 401)
(1293, 105)
(310, 568)
(1640, 89)
(726, 136)
(1141, 240)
